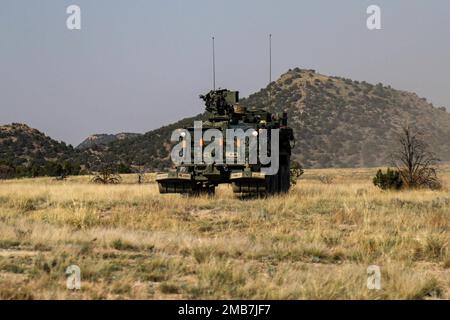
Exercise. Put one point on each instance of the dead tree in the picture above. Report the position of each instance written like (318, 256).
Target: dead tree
(413, 160)
(326, 179)
(107, 175)
(296, 171)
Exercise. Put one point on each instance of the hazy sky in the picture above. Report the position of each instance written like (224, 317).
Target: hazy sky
(136, 65)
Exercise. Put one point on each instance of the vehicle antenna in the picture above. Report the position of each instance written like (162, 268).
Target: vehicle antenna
(214, 64)
(270, 68)
(270, 58)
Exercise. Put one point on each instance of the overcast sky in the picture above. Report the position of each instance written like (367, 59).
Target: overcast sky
(136, 65)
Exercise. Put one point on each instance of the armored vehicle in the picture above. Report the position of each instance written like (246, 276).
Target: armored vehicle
(246, 177)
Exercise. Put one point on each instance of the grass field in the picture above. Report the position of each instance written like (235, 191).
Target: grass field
(132, 243)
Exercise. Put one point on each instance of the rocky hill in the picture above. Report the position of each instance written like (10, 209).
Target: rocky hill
(25, 151)
(104, 139)
(20, 144)
(343, 123)
(150, 150)
(338, 122)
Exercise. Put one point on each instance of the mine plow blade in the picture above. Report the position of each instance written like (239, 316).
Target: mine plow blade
(248, 182)
(174, 182)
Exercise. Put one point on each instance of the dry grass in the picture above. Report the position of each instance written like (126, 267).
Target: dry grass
(316, 242)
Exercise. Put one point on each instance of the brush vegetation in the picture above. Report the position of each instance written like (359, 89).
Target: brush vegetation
(314, 243)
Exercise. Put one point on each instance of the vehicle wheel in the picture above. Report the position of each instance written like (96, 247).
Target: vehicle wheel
(284, 174)
(269, 185)
(281, 178)
(276, 182)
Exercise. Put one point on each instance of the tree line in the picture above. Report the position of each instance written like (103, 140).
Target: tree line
(46, 168)
(39, 168)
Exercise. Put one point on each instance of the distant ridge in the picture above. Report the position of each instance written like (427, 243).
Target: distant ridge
(20, 144)
(338, 122)
(104, 139)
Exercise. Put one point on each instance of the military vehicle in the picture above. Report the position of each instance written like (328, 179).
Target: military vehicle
(225, 112)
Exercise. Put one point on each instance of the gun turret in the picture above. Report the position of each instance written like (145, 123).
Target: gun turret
(220, 102)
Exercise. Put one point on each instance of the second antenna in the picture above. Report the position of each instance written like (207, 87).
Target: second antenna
(214, 64)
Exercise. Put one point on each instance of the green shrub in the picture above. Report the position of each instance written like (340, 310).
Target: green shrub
(389, 180)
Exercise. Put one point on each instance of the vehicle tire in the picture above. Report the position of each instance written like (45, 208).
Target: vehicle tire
(282, 178)
(276, 183)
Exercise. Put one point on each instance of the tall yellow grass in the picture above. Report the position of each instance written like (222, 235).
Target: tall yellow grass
(315, 242)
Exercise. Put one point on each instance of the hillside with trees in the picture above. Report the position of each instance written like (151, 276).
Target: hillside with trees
(27, 152)
(338, 122)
